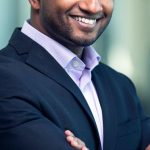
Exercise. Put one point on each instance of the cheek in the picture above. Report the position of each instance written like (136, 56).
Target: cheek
(64, 4)
(108, 5)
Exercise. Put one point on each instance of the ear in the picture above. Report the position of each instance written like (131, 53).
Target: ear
(35, 4)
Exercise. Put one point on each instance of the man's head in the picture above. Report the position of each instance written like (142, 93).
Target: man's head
(73, 23)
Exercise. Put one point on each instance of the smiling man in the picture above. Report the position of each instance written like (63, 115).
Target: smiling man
(52, 80)
(74, 24)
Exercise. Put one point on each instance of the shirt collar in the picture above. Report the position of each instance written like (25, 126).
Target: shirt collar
(91, 58)
(62, 55)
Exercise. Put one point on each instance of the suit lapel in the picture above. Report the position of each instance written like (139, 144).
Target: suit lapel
(39, 59)
(108, 109)
(42, 61)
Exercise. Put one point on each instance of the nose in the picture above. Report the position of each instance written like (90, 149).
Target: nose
(91, 6)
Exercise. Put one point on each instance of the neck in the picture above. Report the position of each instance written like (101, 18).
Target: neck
(78, 50)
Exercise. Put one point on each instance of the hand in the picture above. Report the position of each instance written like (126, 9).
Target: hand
(148, 147)
(75, 142)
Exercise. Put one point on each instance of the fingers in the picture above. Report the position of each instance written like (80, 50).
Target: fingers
(68, 133)
(71, 137)
(74, 141)
(85, 148)
(148, 147)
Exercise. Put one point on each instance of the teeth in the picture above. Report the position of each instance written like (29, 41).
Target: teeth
(85, 20)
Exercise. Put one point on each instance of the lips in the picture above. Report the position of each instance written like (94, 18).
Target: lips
(88, 22)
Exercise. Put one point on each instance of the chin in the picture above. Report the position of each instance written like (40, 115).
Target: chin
(83, 42)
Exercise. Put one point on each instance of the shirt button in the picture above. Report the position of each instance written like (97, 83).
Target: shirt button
(75, 64)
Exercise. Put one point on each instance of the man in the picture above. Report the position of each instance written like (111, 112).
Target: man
(51, 81)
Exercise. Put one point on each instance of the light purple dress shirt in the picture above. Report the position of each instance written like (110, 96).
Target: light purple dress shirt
(79, 70)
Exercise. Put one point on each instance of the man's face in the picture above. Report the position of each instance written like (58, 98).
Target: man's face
(75, 22)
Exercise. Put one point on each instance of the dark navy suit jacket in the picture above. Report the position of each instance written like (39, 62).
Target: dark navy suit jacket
(39, 101)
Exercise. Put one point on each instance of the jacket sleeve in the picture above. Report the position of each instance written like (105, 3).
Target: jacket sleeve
(22, 125)
(145, 125)
(145, 133)
(24, 128)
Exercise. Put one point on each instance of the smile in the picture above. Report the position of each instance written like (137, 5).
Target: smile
(85, 20)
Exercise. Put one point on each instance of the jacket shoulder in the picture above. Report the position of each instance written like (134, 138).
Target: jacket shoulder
(109, 72)
(114, 78)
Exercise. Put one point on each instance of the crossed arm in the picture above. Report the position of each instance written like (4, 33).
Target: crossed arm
(75, 142)
(29, 132)
(78, 144)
